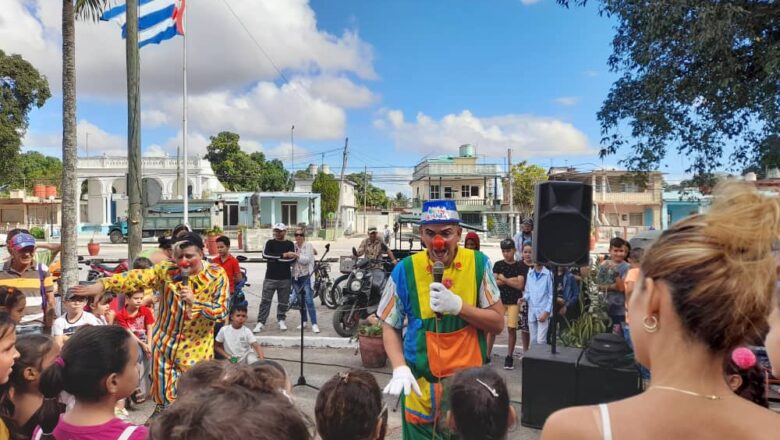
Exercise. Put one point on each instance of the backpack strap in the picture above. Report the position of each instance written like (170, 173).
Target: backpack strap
(38, 434)
(41, 276)
(127, 432)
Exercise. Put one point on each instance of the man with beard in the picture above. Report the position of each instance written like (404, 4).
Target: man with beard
(447, 321)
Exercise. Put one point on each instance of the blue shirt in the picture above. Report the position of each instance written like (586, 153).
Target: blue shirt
(538, 291)
(571, 290)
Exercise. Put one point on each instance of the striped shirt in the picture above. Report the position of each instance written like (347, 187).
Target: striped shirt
(29, 282)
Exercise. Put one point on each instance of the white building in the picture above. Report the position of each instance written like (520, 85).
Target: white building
(104, 185)
(346, 194)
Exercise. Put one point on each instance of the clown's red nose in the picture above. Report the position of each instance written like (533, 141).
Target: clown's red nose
(438, 242)
(184, 264)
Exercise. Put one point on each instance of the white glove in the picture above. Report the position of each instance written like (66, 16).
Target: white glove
(444, 301)
(403, 379)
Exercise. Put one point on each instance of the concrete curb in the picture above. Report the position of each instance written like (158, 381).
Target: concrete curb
(324, 342)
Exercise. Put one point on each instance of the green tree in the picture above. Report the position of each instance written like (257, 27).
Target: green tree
(375, 197)
(697, 76)
(328, 188)
(21, 89)
(400, 200)
(524, 178)
(239, 171)
(33, 167)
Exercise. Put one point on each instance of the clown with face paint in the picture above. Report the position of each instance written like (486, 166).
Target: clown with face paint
(447, 322)
(183, 334)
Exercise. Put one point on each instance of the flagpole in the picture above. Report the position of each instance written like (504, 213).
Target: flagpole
(184, 119)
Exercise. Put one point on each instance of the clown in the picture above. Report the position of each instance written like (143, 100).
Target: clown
(189, 306)
(447, 321)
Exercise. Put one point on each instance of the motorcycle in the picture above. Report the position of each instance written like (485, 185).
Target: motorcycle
(322, 282)
(360, 297)
(100, 270)
(239, 298)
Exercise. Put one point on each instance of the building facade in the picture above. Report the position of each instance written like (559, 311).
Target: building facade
(475, 187)
(346, 195)
(623, 203)
(103, 183)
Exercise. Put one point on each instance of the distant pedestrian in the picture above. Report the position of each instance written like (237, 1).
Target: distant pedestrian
(472, 241)
(280, 254)
(386, 235)
(524, 237)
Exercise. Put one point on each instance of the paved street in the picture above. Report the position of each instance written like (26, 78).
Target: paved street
(323, 362)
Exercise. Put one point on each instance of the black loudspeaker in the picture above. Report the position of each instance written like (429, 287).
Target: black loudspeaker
(562, 223)
(602, 385)
(549, 383)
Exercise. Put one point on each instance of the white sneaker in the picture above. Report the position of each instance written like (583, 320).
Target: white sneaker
(282, 326)
(301, 325)
(258, 328)
(315, 328)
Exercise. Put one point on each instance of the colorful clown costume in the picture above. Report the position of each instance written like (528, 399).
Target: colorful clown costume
(436, 349)
(180, 337)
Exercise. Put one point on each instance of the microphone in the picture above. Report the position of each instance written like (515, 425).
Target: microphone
(184, 268)
(438, 274)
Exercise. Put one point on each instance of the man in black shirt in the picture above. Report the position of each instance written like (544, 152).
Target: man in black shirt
(511, 281)
(280, 254)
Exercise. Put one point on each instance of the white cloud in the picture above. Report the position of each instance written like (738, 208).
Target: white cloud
(224, 63)
(100, 141)
(567, 101)
(155, 150)
(529, 2)
(529, 135)
(154, 118)
(590, 73)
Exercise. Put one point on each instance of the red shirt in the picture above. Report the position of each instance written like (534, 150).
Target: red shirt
(231, 268)
(136, 324)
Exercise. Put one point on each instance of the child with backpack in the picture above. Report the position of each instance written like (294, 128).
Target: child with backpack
(97, 366)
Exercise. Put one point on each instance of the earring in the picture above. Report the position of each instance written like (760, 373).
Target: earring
(653, 326)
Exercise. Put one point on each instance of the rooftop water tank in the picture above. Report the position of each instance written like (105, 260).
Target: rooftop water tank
(312, 169)
(750, 177)
(466, 150)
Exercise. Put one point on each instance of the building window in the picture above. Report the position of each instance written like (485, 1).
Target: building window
(449, 193)
(635, 219)
(290, 213)
(435, 194)
(474, 191)
(465, 191)
(230, 214)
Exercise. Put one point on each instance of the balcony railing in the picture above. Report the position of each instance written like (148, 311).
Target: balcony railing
(461, 203)
(632, 198)
(451, 169)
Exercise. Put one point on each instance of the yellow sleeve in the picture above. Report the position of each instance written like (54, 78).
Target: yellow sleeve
(137, 279)
(217, 308)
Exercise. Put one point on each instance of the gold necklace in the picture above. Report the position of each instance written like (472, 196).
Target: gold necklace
(690, 393)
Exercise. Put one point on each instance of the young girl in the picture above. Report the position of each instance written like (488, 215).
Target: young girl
(746, 377)
(138, 320)
(97, 366)
(102, 309)
(479, 405)
(349, 407)
(13, 302)
(22, 401)
(8, 355)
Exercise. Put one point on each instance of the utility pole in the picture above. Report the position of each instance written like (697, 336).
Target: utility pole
(341, 182)
(365, 197)
(511, 192)
(134, 217)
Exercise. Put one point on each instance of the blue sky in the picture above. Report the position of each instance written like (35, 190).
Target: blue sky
(402, 79)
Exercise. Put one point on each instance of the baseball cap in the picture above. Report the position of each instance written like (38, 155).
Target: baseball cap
(528, 221)
(70, 294)
(280, 227)
(371, 229)
(22, 241)
(507, 243)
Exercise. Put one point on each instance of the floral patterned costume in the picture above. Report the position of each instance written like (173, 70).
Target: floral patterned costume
(180, 338)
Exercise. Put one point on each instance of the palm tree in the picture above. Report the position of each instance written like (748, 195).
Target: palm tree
(89, 9)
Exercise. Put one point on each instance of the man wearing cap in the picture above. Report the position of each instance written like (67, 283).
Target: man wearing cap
(525, 236)
(34, 280)
(280, 254)
(194, 296)
(373, 248)
(446, 322)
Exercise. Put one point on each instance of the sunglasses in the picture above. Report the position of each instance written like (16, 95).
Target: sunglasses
(299, 235)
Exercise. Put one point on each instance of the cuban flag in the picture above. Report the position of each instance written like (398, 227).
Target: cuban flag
(158, 20)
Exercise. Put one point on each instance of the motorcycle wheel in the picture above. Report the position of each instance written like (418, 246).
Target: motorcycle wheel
(115, 237)
(346, 319)
(332, 296)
